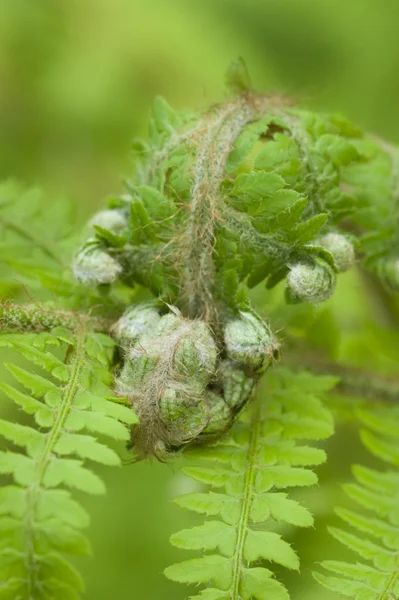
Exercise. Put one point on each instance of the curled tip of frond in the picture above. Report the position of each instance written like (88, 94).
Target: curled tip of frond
(111, 219)
(311, 283)
(135, 321)
(178, 379)
(250, 341)
(341, 249)
(93, 266)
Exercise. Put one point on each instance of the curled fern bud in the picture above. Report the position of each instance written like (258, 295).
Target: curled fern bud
(93, 266)
(195, 355)
(388, 270)
(341, 248)
(249, 341)
(114, 220)
(137, 365)
(135, 322)
(219, 414)
(310, 283)
(165, 374)
(184, 414)
(237, 385)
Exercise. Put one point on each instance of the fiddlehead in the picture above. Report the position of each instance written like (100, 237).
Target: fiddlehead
(251, 190)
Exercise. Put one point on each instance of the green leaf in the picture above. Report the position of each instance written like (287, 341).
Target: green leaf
(35, 383)
(212, 504)
(64, 538)
(339, 150)
(269, 546)
(307, 231)
(258, 584)
(72, 474)
(256, 459)
(86, 446)
(12, 501)
(209, 536)
(280, 508)
(250, 189)
(110, 238)
(202, 570)
(24, 436)
(20, 466)
(29, 404)
(38, 518)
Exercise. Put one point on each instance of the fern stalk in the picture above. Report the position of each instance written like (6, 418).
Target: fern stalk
(249, 482)
(17, 317)
(216, 142)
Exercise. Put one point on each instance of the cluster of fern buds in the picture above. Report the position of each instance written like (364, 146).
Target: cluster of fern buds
(252, 190)
(184, 385)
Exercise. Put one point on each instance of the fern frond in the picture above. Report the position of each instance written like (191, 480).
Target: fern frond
(71, 404)
(37, 241)
(262, 457)
(374, 533)
(31, 229)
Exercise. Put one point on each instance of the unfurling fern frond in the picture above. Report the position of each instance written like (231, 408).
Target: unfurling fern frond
(261, 458)
(71, 405)
(374, 533)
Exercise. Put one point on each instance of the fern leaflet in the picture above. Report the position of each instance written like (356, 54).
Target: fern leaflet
(72, 404)
(378, 493)
(260, 458)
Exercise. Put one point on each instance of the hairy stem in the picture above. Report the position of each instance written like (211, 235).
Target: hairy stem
(214, 145)
(34, 317)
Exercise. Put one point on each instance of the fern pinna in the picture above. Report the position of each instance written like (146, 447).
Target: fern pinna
(260, 458)
(377, 494)
(153, 339)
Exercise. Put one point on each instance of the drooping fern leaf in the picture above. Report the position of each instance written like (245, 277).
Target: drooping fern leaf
(71, 404)
(374, 531)
(262, 457)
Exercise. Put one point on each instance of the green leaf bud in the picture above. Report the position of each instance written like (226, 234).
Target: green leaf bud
(137, 365)
(135, 322)
(237, 385)
(114, 220)
(195, 354)
(250, 341)
(219, 414)
(169, 323)
(185, 415)
(341, 249)
(93, 266)
(310, 283)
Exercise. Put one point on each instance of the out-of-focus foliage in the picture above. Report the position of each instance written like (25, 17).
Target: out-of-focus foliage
(76, 81)
(77, 77)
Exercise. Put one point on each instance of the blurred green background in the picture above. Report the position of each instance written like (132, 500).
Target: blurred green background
(76, 81)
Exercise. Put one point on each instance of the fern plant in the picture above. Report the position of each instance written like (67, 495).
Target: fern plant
(152, 341)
